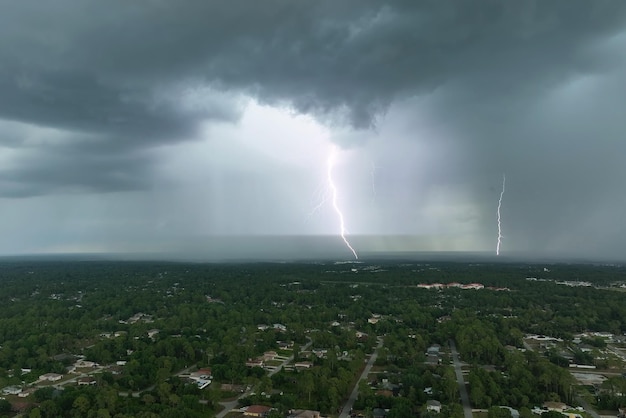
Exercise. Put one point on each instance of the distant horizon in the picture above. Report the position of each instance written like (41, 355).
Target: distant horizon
(305, 249)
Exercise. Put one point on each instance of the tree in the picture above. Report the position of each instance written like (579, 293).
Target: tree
(82, 405)
(498, 412)
(401, 409)
(43, 394)
(5, 406)
(306, 384)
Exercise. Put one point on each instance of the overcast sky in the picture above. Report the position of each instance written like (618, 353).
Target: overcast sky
(166, 125)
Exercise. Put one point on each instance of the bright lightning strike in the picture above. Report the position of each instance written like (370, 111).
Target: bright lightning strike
(333, 189)
(499, 217)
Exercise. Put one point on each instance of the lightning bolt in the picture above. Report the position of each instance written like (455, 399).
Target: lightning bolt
(322, 196)
(499, 217)
(330, 164)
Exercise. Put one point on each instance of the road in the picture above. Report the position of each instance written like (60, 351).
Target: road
(289, 359)
(587, 407)
(228, 406)
(347, 407)
(467, 407)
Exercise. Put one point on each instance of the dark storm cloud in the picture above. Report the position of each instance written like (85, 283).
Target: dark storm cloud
(71, 172)
(114, 75)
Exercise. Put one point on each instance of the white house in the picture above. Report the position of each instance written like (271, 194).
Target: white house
(434, 406)
(12, 390)
(51, 377)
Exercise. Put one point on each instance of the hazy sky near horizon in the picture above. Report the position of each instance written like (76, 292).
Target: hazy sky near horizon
(143, 126)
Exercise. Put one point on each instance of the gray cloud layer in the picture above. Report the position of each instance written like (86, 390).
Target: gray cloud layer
(89, 88)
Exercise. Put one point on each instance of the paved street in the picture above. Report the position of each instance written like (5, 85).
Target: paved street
(467, 408)
(587, 407)
(345, 412)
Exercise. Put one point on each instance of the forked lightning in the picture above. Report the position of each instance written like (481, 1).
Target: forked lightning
(499, 217)
(333, 189)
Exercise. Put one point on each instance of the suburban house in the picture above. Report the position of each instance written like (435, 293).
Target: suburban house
(51, 377)
(201, 374)
(201, 377)
(303, 365)
(284, 345)
(254, 363)
(12, 390)
(554, 406)
(84, 364)
(434, 406)
(26, 392)
(434, 349)
(86, 381)
(257, 411)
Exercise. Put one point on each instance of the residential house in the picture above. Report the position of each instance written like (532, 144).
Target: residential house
(303, 365)
(12, 390)
(201, 377)
(202, 383)
(203, 373)
(434, 349)
(26, 392)
(254, 363)
(284, 345)
(554, 406)
(257, 411)
(84, 364)
(433, 406)
(51, 377)
(86, 381)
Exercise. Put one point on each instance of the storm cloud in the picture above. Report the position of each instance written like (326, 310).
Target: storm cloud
(119, 99)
